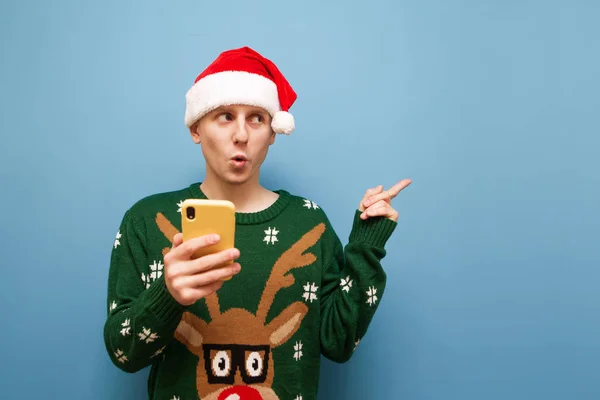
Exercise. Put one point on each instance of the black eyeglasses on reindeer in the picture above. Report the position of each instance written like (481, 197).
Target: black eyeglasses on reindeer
(221, 362)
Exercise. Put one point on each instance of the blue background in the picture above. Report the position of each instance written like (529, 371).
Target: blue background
(491, 107)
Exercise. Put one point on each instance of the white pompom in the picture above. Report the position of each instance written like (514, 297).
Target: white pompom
(283, 122)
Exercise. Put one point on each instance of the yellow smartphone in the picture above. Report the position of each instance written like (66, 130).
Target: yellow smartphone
(203, 217)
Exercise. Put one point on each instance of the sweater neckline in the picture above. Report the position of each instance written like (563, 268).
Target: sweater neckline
(249, 218)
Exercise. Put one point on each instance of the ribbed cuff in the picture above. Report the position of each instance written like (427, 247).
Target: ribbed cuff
(161, 304)
(374, 231)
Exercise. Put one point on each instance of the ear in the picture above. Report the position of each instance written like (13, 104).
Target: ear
(286, 324)
(272, 138)
(189, 333)
(194, 133)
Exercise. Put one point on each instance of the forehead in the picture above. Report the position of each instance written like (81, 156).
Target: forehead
(241, 108)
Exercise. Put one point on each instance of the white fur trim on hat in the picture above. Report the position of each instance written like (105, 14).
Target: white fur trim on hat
(229, 88)
(283, 122)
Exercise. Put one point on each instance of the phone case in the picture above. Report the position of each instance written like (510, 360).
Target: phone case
(201, 217)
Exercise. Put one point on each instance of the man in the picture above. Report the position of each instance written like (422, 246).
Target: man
(295, 292)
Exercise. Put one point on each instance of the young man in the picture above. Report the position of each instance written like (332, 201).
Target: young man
(295, 292)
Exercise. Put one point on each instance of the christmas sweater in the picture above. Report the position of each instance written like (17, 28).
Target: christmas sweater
(300, 294)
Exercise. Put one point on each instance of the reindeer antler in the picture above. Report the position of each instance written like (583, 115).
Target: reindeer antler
(167, 228)
(292, 258)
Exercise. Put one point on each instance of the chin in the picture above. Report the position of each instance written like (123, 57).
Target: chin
(234, 179)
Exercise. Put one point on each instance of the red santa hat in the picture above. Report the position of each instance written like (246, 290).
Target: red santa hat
(242, 76)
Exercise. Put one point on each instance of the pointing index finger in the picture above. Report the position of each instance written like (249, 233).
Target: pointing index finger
(394, 190)
(387, 194)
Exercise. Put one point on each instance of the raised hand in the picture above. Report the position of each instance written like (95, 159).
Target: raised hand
(378, 203)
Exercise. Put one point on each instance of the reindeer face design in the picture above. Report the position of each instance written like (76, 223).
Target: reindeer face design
(234, 349)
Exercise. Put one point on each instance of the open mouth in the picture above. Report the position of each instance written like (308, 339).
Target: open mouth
(239, 161)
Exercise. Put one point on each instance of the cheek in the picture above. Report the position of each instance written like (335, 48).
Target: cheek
(211, 146)
(261, 149)
(210, 151)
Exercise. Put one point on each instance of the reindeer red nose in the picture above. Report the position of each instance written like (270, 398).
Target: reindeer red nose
(240, 393)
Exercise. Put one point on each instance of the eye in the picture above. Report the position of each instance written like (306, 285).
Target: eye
(256, 119)
(221, 364)
(225, 117)
(254, 364)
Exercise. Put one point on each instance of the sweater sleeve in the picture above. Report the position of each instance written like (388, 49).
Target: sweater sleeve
(353, 285)
(142, 314)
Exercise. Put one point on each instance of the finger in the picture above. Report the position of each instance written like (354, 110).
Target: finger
(211, 288)
(379, 204)
(208, 277)
(376, 198)
(370, 192)
(388, 194)
(177, 239)
(387, 212)
(373, 207)
(192, 295)
(394, 190)
(375, 190)
(187, 248)
(213, 261)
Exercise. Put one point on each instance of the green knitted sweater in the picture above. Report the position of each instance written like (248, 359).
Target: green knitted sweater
(300, 294)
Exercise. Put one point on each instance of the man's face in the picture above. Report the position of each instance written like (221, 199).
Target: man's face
(235, 140)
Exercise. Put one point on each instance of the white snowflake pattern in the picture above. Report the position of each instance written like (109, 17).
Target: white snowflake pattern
(299, 397)
(356, 344)
(346, 284)
(159, 351)
(121, 357)
(156, 269)
(146, 280)
(372, 295)
(176, 398)
(179, 205)
(117, 239)
(310, 204)
(112, 306)
(271, 235)
(310, 292)
(126, 331)
(147, 335)
(298, 351)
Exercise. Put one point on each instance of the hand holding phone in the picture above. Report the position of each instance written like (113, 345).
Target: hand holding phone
(203, 255)
(190, 279)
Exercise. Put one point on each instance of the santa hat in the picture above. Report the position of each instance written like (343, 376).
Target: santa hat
(242, 76)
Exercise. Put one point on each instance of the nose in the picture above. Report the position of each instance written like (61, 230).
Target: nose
(241, 134)
(240, 393)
